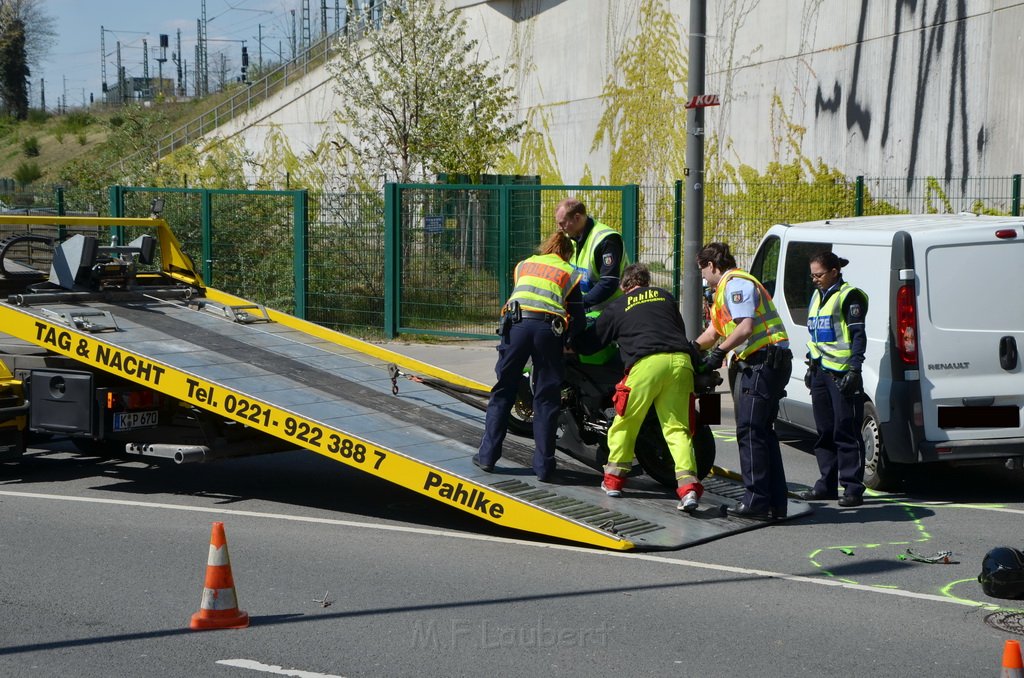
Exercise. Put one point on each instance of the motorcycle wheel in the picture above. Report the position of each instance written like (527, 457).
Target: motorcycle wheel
(521, 420)
(653, 455)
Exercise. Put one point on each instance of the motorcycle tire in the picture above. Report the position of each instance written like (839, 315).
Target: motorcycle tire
(520, 421)
(653, 455)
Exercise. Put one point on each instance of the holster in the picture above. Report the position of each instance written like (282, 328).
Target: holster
(778, 358)
(504, 324)
(512, 313)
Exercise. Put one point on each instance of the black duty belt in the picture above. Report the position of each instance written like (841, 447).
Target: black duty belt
(538, 315)
(557, 321)
(771, 352)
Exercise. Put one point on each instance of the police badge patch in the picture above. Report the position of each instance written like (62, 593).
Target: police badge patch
(855, 310)
(608, 259)
(737, 297)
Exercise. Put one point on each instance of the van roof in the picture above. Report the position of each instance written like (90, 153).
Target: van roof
(913, 223)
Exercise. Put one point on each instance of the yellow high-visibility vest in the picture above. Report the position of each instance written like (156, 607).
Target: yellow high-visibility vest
(768, 327)
(830, 335)
(543, 283)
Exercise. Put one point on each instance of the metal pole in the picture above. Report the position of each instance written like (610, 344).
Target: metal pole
(693, 236)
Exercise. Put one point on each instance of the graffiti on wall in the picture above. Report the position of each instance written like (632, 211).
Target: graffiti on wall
(935, 38)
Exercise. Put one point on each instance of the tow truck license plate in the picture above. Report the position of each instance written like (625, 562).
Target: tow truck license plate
(125, 421)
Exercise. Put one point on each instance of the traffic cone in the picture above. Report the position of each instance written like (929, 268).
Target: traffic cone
(219, 607)
(1012, 665)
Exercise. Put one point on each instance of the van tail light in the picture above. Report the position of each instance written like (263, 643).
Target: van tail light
(906, 325)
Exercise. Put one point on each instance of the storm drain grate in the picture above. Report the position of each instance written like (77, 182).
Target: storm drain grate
(1011, 622)
(615, 522)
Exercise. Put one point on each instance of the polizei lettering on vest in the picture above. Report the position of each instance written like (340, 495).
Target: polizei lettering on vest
(129, 364)
(475, 500)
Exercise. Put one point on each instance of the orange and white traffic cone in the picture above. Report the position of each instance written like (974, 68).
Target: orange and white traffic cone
(1013, 667)
(219, 607)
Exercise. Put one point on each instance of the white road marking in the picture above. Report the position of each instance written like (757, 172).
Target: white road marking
(276, 670)
(766, 574)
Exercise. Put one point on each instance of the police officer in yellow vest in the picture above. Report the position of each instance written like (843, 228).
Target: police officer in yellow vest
(544, 311)
(835, 354)
(599, 254)
(744, 315)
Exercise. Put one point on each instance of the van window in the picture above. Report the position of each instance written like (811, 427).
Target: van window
(960, 299)
(766, 263)
(797, 286)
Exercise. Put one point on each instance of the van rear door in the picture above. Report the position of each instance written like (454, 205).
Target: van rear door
(971, 334)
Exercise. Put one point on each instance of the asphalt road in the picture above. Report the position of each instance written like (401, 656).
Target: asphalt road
(343, 575)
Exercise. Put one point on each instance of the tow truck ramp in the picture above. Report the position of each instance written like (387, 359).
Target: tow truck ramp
(332, 394)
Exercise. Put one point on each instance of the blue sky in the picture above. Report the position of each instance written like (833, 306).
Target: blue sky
(74, 64)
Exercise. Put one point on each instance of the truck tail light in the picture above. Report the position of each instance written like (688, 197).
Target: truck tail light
(906, 325)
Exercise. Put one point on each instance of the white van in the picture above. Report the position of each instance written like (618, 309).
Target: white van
(945, 325)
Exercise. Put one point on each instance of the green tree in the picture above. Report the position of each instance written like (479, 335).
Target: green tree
(416, 99)
(26, 34)
(13, 67)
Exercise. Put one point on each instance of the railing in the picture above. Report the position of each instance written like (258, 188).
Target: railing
(252, 94)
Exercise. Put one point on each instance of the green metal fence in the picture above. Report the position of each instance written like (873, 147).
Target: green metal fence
(248, 243)
(54, 201)
(451, 249)
(438, 259)
(740, 214)
(345, 288)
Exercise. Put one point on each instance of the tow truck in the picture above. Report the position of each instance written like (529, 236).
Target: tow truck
(123, 349)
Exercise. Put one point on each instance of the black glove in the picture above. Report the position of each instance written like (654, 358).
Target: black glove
(714, 359)
(850, 383)
(812, 367)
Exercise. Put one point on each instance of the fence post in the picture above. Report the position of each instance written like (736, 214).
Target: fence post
(115, 196)
(300, 261)
(504, 244)
(1015, 206)
(677, 237)
(206, 216)
(392, 247)
(59, 198)
(858, 196)
(630, 220)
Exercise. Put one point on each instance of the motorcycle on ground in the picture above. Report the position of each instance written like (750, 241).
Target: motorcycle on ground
(587, 412)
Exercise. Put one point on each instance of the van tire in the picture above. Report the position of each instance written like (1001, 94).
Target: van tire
(879, 473)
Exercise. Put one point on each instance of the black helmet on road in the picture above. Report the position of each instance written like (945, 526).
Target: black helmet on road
(1002, 573)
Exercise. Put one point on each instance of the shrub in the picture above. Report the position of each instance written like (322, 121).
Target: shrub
(30, 147)
(76, 121)
(116, 121)
(37, 116)
(27, 172)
